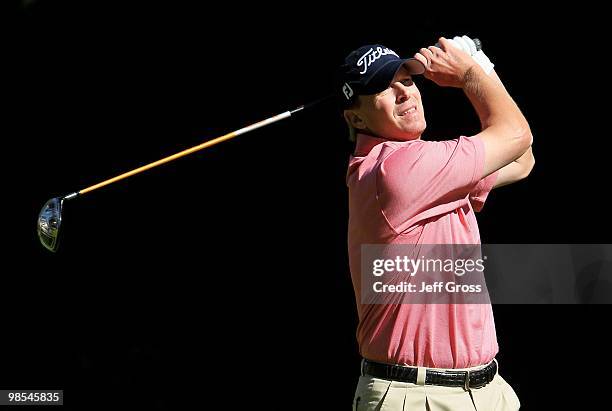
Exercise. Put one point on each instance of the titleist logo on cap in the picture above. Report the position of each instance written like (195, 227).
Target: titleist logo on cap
(371, 56)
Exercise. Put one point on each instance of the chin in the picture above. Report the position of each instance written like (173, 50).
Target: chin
(411, 134)
(412, 131)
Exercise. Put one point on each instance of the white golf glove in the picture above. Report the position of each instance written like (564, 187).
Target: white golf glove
(467, 44)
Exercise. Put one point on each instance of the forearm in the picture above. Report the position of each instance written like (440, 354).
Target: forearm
(492, 103)
(494, 76)
(526, 160)
(519, 168)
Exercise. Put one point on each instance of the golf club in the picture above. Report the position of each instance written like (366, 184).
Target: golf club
(50, 217)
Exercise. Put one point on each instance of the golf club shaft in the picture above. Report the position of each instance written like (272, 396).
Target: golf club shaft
(188, 151)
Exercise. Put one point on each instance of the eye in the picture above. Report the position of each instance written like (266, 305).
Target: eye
(407, 82)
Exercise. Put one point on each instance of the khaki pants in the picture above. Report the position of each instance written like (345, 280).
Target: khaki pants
(380, 395)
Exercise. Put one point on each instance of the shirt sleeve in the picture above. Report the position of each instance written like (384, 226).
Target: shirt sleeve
(427, 178)
(480, 193)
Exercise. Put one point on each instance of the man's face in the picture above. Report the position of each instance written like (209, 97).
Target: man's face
(395, 113)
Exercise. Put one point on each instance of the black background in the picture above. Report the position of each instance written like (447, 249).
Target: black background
(221, 280)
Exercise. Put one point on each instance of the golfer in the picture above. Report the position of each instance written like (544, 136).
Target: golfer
(404, 190)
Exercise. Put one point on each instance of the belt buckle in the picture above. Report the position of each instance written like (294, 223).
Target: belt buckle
(466, 383)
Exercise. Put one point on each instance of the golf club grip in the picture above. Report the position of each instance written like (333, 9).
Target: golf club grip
(477, 43)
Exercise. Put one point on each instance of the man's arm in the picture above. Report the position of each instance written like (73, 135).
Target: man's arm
(505, 131)
(519, 168)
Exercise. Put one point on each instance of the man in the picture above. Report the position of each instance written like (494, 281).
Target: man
(403, 190)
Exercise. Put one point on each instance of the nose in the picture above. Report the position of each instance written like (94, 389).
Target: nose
(401, 94)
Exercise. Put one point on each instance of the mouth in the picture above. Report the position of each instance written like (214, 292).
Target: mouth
(408, 111)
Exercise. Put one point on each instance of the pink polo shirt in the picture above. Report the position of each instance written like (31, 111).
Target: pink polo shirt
(419, 192)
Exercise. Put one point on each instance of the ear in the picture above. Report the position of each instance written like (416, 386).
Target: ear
(354, 119)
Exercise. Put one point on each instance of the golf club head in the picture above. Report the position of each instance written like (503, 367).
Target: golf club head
(49, 223)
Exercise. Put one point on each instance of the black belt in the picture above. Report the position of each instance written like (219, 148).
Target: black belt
(471, 379)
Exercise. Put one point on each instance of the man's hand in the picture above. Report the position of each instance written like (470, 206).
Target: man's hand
(446, 65)
(505, 132)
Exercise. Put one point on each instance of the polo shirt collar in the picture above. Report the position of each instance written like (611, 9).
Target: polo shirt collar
(365, 143)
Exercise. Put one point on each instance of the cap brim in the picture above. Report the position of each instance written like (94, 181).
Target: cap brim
(414, 66)
(385, 74)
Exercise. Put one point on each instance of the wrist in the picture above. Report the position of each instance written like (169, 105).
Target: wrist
(483, 61)
(471, 77)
